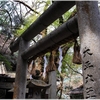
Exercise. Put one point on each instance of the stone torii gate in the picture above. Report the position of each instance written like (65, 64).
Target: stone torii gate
(88, 22)
(22, 44)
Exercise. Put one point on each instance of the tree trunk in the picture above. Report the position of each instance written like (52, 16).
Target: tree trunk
(89, 32)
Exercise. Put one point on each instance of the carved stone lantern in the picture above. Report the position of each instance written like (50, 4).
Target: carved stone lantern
(36, 88)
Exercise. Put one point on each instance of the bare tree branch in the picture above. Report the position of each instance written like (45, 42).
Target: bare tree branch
(3, 4)
(10, 27)
(8, 15)
(26, 6)
(16, 10)
(72, 68)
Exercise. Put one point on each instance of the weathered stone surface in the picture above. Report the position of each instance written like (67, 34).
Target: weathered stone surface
(89, 32)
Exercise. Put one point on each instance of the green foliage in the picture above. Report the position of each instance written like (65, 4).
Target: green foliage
(26, 24)
(56, 23)
(47, 4)
(29, 21)
(6, 62)
(65, 16)
(67, 62)
(67, 57)
(69, 13)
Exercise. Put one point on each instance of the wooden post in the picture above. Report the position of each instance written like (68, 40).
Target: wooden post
(89, 32)
(53, 89)
(21, 73)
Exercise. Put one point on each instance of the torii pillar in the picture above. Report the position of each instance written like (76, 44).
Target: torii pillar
(21, 72)
(89, 33)
(53, 89)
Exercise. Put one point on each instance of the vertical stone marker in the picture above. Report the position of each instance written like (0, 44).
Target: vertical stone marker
(89, 33)
(53, 89)
(21, 73)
